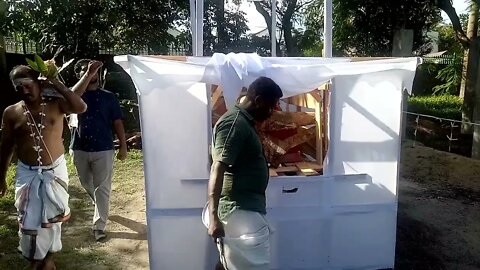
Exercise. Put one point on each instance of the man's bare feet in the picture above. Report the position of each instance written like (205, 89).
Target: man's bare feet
(48, 263)
(36, 265)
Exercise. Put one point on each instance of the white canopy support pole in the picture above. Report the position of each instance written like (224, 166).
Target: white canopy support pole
(199, 26)
(274, 28)
(193, 25)
(327, 29)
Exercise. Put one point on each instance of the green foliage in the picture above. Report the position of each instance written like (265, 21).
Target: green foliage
(130, 110)
(366, 28)
(445, 106)
(7, 201)
(447, 41)
(310, 42)
(451, 76)
(225, 30)
(82, 26)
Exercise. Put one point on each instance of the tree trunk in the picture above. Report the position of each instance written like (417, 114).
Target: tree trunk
(268, 20)
(476, 117)
(287, 25)
(222, 36)
(3, 58)
(446, 5)
(470, 70)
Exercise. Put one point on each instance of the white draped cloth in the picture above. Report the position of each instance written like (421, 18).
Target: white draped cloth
(41, 199)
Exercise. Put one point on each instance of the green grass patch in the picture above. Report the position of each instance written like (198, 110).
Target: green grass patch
(445, 106)
(128, 170)
(79, 251)
(6, 202)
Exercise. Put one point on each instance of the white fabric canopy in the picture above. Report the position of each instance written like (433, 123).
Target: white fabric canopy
(294, 75)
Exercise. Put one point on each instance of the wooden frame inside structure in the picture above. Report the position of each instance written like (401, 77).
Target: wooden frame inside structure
(316, 103)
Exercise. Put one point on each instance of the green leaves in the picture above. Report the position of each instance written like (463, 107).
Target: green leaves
(41, 65)
(366, 28)
(33, 65)
(46, 68)
(446, 106)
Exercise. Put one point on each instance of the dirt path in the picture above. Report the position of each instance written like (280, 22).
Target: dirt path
(439, 217)
(438, 220)
(126, 243)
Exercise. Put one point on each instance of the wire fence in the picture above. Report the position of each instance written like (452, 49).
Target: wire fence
(13, 45)
(445, 59)
(21, 46)
(452, 124)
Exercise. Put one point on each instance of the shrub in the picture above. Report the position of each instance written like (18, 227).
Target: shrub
(445, 106)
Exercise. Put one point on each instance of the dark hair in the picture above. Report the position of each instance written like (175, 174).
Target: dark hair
(80, 63)
(22, 71)
(265, 88)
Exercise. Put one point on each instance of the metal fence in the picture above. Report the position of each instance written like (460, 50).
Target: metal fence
(13, 45)
(446, 59)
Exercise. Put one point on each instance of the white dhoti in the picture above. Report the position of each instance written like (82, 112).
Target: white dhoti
(246, 244)
(41, 199)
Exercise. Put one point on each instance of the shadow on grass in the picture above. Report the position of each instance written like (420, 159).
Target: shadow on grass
(79, 249)
(139, 228)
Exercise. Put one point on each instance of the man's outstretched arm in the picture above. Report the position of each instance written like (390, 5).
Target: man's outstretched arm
(6, 149)
(81, 86)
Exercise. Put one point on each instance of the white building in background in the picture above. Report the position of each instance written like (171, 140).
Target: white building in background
(264, 33)
(434, 40)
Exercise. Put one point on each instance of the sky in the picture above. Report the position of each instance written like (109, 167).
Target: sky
(257, 23)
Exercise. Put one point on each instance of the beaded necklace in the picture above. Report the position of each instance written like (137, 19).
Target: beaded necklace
(36, 131)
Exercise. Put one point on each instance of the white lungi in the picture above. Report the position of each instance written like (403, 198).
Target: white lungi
(246, 245)
(41, 199)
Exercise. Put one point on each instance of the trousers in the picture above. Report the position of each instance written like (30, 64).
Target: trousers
(95, 170)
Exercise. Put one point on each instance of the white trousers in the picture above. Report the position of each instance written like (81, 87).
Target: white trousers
(246, 245)
(95, 172)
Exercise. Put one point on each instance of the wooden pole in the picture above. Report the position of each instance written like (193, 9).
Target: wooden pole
(325, 111)
(318, 121)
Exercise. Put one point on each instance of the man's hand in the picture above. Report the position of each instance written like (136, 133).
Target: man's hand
(93, 67)
(215, 229)
(3, 188)
(122, 153)
(58, 85)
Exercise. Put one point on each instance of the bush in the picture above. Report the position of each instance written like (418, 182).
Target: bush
(445, 106)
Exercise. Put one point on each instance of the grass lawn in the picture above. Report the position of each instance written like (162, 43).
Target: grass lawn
(126, 245)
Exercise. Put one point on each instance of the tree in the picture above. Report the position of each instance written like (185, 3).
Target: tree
(3, 61)
(310, 41)
(471, 91)
(470, 67)
(224, 29)
(447, 40)
(288, 13)
(83, 26)
(366, 28)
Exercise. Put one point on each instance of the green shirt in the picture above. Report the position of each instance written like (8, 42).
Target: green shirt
(237, 144)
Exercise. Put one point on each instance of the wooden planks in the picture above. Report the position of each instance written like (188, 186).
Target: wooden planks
(298, 168)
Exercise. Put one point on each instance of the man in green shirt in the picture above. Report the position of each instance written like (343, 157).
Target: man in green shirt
(238, 180)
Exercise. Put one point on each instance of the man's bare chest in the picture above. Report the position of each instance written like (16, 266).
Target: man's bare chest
(35, 123)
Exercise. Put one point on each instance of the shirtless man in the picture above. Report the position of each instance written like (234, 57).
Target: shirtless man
(34, 127)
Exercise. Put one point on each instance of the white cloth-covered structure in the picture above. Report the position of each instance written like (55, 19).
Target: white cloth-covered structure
(345, 219)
